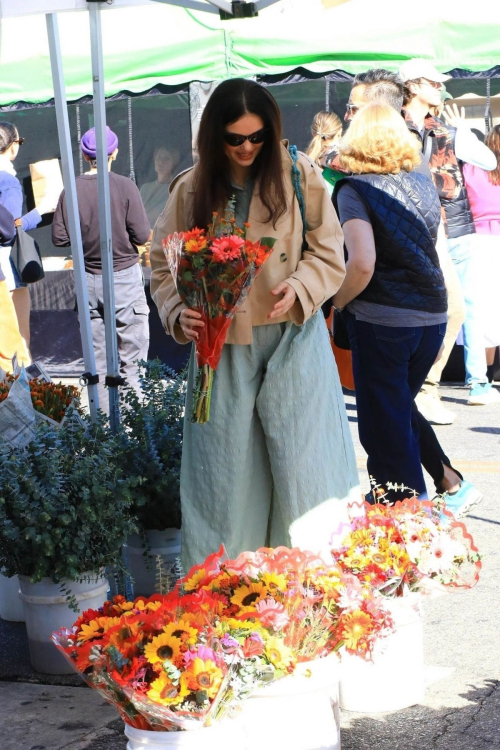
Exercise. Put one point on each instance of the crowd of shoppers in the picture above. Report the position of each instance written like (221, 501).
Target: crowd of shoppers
(418, 200)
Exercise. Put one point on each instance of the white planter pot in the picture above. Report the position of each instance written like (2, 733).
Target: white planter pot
(221, 736)
(46, 610)
(11, 606)
(299, 712)
(395, 678)
(165, 543)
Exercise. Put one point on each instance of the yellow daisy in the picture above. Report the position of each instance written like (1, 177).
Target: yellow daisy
(96, 628)
(164, 692)
(219, 582)
(161, 648)
(202, 675)
(278, 654)
(274, 580)
(246, 597)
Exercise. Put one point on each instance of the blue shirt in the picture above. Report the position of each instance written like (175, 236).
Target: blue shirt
(11, 197)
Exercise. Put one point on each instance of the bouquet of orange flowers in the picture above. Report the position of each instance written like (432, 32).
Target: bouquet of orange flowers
(213, 271)
(49, 399)
(405, 547)
(310, 608)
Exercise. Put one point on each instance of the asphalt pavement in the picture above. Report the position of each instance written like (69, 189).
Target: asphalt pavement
(461, 710)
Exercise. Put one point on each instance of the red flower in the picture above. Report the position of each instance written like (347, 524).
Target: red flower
(225, 249)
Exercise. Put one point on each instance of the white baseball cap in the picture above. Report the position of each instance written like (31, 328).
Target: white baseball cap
(419, 68)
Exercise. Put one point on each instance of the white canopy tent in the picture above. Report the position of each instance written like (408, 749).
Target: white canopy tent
(14, 8)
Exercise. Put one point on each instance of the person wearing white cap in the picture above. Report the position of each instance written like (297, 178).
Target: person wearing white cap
(444, 146)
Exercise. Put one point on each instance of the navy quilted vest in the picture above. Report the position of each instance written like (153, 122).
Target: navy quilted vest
(404, 211)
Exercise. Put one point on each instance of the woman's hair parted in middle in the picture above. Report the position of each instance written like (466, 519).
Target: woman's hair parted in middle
(231, 100)
(378, 142)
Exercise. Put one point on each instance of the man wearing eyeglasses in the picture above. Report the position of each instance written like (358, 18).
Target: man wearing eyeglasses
(445, 147)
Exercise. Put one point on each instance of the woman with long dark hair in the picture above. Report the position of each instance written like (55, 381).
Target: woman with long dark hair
(275, 463)
(11, 197)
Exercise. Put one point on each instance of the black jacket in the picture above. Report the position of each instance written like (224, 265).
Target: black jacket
(439, 140)
(404, 212)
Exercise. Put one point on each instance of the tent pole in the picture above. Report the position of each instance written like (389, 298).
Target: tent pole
(72, 207)
(113, 377)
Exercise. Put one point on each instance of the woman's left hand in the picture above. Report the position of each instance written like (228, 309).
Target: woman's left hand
(287, 301)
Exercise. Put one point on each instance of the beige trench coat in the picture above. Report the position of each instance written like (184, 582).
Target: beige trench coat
(315, 274)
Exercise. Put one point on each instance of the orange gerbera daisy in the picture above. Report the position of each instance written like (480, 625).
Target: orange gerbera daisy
(357, 625)
(202, 676)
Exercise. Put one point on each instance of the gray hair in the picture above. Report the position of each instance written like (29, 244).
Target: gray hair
(382, 86)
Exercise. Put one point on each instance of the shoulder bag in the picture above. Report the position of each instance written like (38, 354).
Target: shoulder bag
(25, 255)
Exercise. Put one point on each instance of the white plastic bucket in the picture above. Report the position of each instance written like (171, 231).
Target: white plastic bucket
(395, 678)
(166, 543)
(11, 606)
(46, 610)
(299, 712)
(222, 735)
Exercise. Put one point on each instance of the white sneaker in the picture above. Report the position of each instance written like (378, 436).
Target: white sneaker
(431, 408)
(483, 394)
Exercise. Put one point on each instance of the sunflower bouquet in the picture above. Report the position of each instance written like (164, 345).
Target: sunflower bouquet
(406, 547)
(309, 608)
(168, 663)
(213, 271)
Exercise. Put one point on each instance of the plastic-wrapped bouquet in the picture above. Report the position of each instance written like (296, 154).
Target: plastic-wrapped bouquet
(168, 663)
(309, 608)
(406, 547)
(213, 271)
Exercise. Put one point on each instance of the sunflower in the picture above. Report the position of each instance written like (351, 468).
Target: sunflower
(165, 692)
(356, 626)
(96, 628)
(182, 630)
(203, 676)
(163, 647)
(246, 597)
(278, 654)
(192, 584)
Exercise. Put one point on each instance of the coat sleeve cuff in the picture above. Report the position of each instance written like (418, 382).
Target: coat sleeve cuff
(168, 319)
(305, 307)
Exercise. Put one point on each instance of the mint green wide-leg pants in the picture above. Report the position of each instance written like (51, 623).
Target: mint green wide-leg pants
(275, 464)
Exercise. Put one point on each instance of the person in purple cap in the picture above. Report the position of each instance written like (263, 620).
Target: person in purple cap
(129, 228)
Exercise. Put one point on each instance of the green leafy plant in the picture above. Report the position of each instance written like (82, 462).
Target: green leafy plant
(65, 504)
(151, 445)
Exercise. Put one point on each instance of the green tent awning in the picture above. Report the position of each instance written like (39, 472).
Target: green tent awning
(161, 44)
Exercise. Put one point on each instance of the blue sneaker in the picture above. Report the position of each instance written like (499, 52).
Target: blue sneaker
(459, 503)
(483, 394)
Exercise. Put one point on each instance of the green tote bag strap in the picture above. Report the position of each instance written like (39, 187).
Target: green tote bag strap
(292, 150)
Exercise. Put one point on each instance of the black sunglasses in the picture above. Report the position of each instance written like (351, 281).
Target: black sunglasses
(19, 140)
(235, 139)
